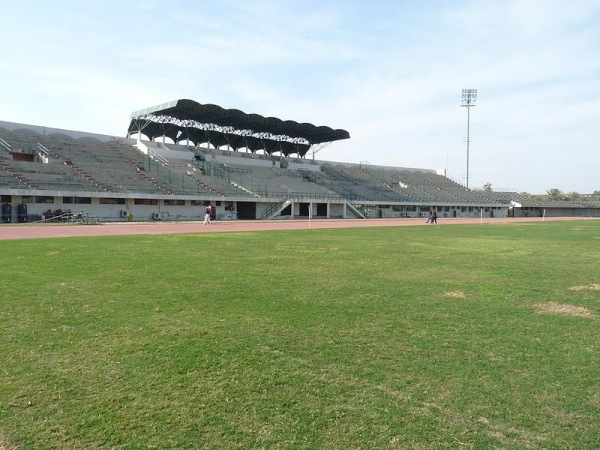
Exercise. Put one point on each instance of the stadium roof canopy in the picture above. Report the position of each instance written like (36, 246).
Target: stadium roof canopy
(189, 120)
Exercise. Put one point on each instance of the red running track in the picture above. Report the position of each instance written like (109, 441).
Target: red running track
(47, 230)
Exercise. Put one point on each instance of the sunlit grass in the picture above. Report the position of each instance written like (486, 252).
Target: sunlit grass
(459, 336)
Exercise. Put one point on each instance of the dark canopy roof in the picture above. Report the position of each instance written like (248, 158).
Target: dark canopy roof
(187, 119)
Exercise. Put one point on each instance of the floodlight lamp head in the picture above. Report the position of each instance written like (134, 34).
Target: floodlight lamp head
(469, 96)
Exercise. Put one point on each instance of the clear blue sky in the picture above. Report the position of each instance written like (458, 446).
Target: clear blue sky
(389, 72)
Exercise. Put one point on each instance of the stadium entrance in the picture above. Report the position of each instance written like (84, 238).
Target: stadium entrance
(246, 210)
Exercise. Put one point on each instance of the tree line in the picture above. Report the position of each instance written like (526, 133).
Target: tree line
(557, 194)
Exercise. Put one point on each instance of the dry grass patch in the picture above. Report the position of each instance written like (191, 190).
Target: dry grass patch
(557, 308)
(588, 287)
(455, 294)
(6, 445)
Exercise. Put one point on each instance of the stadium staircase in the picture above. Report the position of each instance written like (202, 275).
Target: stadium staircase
(275, 209)
(354, 209)
(22, 181)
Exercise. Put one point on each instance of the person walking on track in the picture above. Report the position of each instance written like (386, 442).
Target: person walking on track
(207, 214)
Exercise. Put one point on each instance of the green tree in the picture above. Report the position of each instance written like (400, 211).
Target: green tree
(555, 194)
(487, 187)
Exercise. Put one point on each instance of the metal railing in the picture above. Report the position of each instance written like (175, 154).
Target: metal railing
(271, 210)
(5, 145)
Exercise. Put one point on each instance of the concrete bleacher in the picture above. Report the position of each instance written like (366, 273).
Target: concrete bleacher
(529, 202)
(391, 180)
(367, 185)
(71, 163)
(198, 170)
(187, 176)
(237, 173)
(11, 177)
(209, 177)
(89, 164)
(418, 186)
(439, 187)
(52, 176)
(517, 198)
(494, 196)
(274, 181)
(38, 170)
(103, 164)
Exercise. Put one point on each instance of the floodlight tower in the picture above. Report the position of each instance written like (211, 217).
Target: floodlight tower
(469, 96)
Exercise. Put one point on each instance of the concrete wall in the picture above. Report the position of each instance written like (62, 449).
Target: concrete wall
(556, 212)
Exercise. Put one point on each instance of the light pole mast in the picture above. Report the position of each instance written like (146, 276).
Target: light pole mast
(469, 96)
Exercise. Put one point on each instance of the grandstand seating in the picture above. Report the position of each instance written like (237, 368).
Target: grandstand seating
(114, 166)
(503, 198)
(83, 164)
(352, 183)
(396, 185)
(272, 181)
(80, 162)
(436, 186)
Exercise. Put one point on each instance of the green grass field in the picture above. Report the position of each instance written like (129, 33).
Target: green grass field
(457, 336)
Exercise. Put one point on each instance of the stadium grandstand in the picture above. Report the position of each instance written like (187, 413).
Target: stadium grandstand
(180, 156)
